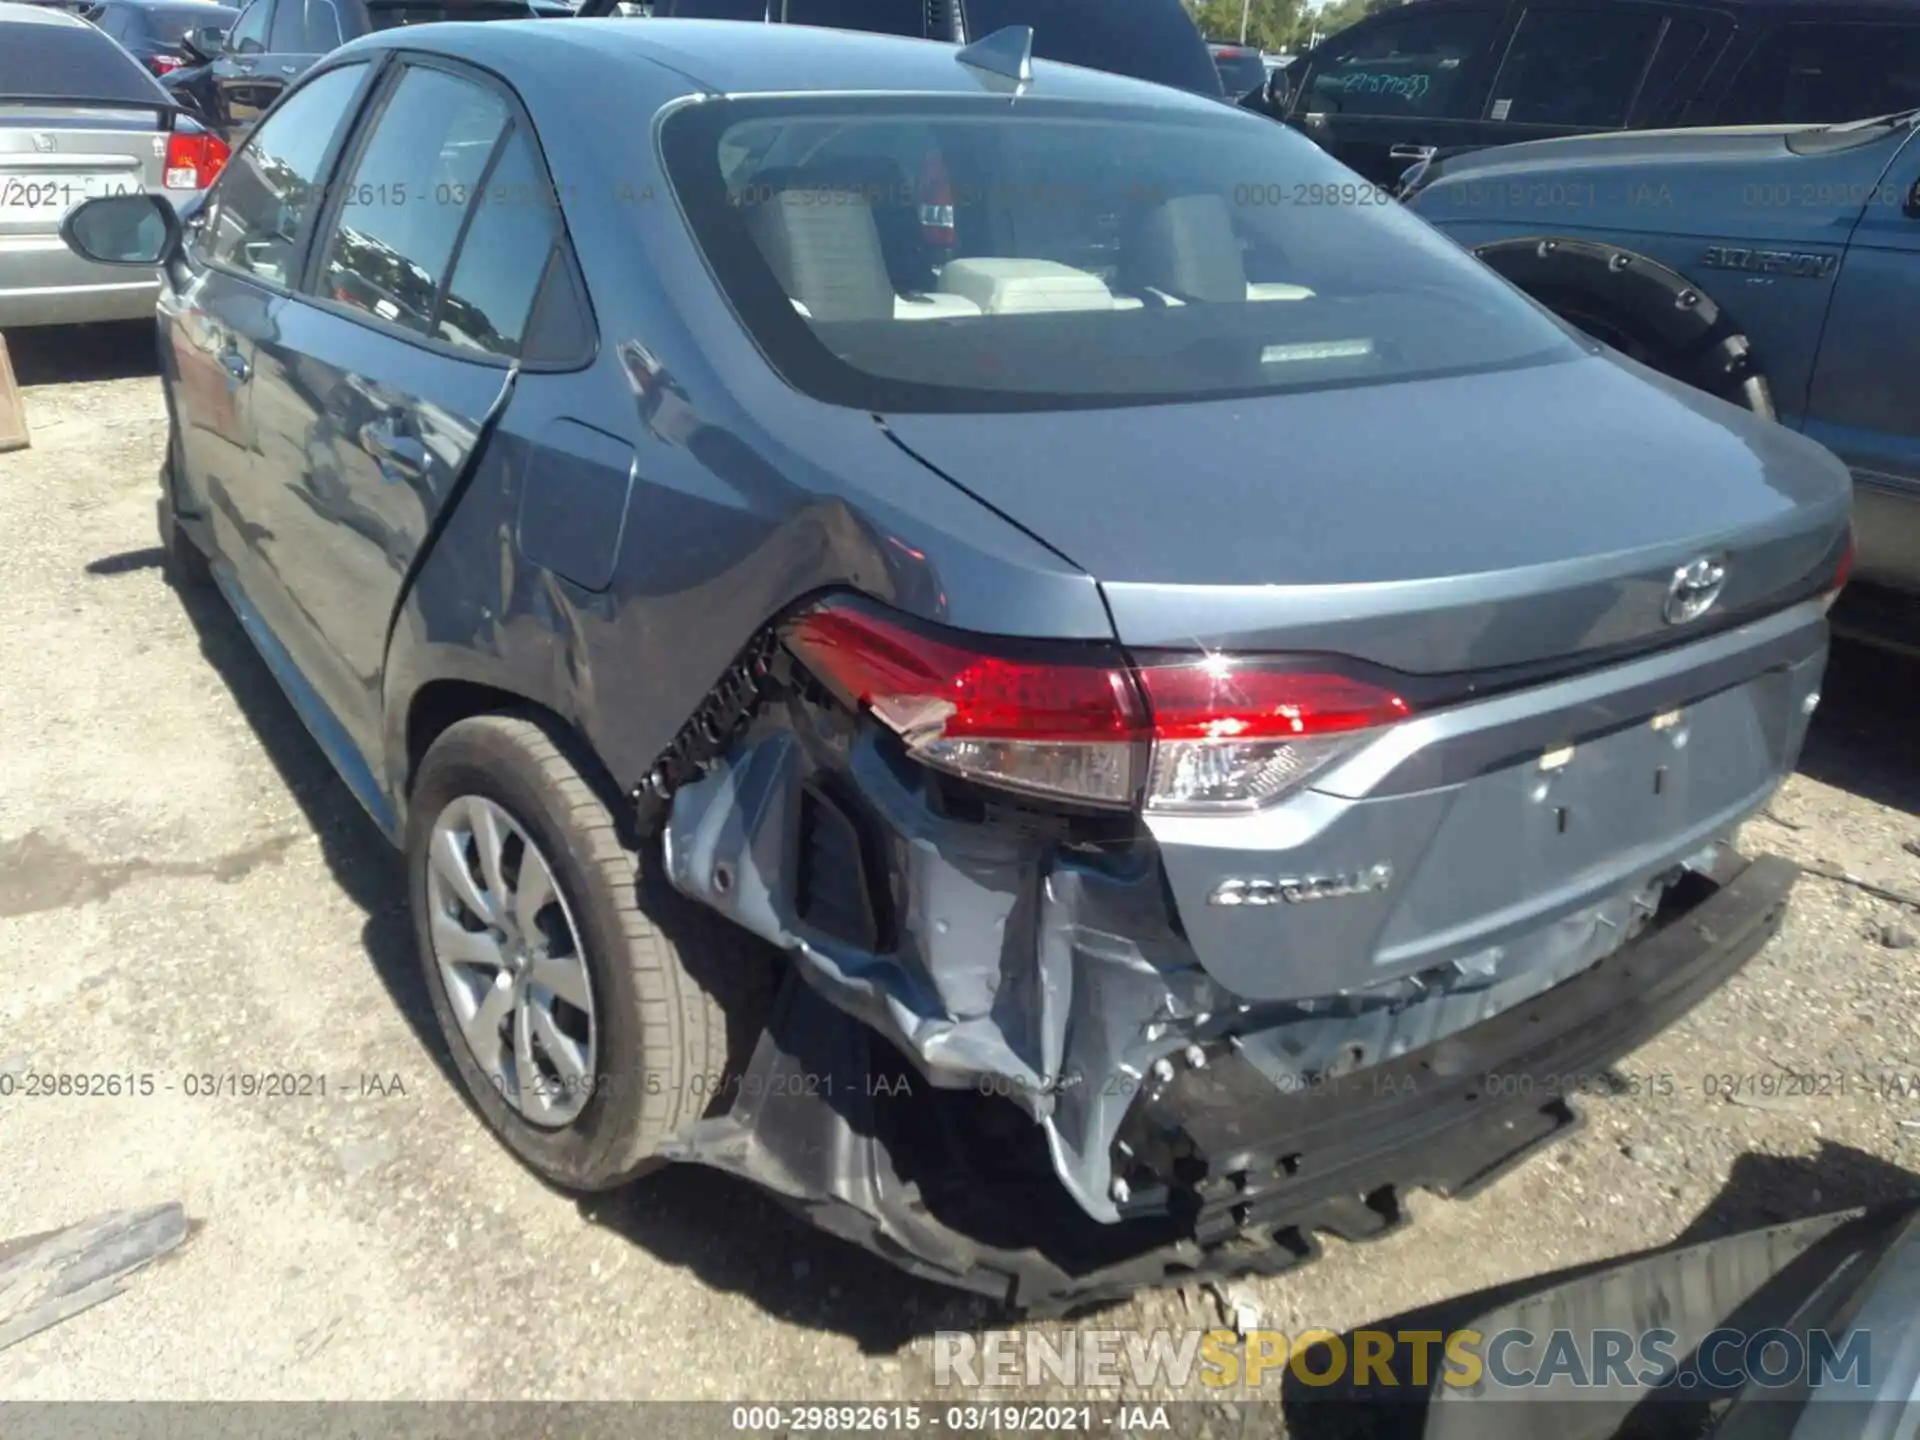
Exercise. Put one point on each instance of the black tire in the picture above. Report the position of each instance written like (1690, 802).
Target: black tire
(184, 563)
(664, 971)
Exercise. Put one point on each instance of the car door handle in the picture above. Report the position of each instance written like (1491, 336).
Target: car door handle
(404, 455)
(245, 67)
(235, 364)
(289, 69)
(1413, 152)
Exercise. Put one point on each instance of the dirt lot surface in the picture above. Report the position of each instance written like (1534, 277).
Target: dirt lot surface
(186, 890)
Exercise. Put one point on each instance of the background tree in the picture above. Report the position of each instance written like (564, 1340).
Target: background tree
(1336, 16)
(1271, 24)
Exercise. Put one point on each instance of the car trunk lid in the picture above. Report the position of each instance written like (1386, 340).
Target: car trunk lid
(52, 158)
(1466, 523)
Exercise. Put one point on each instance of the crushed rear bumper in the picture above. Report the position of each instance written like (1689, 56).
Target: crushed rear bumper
(831, 1118)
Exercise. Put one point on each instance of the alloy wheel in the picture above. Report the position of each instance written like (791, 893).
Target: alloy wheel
(510, 957)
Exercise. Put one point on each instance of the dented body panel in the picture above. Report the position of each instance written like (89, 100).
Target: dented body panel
(1122, 1014)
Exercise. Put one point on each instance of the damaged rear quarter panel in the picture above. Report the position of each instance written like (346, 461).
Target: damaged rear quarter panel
(725, 526)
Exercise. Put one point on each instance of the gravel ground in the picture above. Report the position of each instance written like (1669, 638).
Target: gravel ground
(185, 889)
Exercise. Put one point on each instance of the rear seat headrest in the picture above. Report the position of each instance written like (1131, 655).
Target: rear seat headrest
(820, 241)
(1186, 246)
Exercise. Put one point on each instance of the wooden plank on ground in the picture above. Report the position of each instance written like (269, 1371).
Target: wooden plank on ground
(59, 1275)
(13, 415)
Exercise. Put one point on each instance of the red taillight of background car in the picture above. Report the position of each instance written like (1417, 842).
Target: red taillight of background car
(1187, 734)
(937, 224)
(1841, 574)
(194, 157)
(163, 64)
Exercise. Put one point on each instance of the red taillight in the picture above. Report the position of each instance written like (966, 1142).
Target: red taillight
(163, 64)
(194, 159)
(1841, 574)
(937, 223)
(1196, 734)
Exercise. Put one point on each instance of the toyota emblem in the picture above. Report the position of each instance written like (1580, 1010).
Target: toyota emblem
(43, 142)
(1693, 589)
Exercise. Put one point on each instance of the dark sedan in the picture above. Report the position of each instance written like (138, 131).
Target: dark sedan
(865, 703)
(153, 31)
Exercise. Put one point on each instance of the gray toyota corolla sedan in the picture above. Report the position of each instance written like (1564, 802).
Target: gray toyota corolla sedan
(805, 569)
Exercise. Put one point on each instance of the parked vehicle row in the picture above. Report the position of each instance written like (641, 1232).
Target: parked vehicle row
(1440, 76)
(79, 117)
(985, 799)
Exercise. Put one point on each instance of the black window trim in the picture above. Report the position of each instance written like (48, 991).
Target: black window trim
(1664, 13)
(307, 291)
(323, 175)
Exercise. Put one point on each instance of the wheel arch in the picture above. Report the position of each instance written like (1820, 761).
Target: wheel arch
(1695, 338)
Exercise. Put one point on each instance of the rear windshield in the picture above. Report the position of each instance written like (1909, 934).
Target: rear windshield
(71, 63)
(965, 255)
(168, 24)
(1240, 70)
(1147, 39)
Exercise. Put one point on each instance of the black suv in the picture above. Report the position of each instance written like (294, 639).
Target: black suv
(1445, 75)
(1147, 39)
(274, 41)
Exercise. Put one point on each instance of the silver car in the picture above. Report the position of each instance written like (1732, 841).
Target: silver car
(79, 117)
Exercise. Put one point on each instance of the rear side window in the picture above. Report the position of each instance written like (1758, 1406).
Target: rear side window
(503, 256)
(113, 20)
(1240, 70)
(1419, 65)
(1147, 39)
(964, 255)
(268, 191)
(72, 63)
(1822, 74)
(1579, 68)
(408, 195)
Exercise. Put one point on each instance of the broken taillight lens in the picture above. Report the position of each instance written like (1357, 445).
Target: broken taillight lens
(1191, 734)
(194, 157)
(1237, 732)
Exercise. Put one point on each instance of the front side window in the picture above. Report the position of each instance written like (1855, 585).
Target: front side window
(1809, 73)
(305, 27)
(1416, 65)
(1578, 68)
(962, 255)
(249, 33)
(408, 194)
(269, 191)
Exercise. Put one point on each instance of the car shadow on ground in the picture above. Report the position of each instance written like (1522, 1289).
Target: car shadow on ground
(65, 354)
(1863, 739)
(1761, 1190)
(738, 1240)
(733, 1237)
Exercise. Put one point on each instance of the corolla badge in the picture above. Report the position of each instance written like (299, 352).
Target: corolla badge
(1693, 589)
(1259, 890)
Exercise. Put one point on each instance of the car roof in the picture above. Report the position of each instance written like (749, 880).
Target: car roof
(38, 15)
(733, 57)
